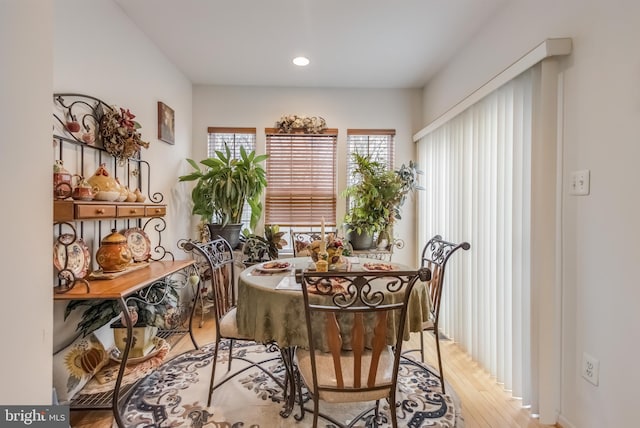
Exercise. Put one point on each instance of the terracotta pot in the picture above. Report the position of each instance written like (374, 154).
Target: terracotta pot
(114, 254)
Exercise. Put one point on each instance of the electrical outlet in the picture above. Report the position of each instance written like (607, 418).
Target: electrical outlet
(580, 182)
(590, 368)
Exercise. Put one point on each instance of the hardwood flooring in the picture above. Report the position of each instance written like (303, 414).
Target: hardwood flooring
(484, 403)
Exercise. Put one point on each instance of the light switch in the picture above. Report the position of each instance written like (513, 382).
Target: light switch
(580, 182)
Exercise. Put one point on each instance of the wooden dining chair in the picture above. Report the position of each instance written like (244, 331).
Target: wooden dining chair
(435, 255)
(217, 276)
(355, 327)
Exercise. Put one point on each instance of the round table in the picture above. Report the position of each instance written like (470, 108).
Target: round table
(268, 315)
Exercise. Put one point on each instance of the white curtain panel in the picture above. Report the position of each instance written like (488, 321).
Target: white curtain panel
(477, 170)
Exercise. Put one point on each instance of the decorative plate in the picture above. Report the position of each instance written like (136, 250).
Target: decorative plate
(158, 344)
(378, 267)
(75, 254)
(138, 243)
(274, 266)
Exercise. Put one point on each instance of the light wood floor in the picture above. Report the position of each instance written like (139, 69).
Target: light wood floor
(484, 403)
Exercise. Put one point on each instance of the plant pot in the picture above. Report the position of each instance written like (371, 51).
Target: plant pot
(142, 339)
(230, 232)
(360, 241)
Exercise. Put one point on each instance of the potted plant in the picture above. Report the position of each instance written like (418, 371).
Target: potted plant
(147, 317)
(376, 200)
(257, 249)
(223, 187)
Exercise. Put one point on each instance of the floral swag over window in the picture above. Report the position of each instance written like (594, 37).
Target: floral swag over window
(292, 123)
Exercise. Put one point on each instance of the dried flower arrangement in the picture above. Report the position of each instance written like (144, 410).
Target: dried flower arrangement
(310, 125)
(120, 135)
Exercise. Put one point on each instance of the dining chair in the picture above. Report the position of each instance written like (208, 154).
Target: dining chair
(355, 327)
(217, 276)
(435, 255)
(301, 242)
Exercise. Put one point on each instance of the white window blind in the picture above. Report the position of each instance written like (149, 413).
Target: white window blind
(301, 172)
(378, 144)
(477, 179)
(234, 138)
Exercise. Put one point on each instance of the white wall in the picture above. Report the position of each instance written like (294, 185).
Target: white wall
(600, 231)
(25, 171)
(342, 108)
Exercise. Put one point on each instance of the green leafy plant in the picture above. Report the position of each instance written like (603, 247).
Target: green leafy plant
(225, 184)
(257, 247)
(378, 195)
(98, 313)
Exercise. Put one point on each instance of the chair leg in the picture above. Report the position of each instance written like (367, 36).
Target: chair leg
(393, 409)
(437, 337)
(230, 354)
(316, 411)
(422, 346)
(213, 371)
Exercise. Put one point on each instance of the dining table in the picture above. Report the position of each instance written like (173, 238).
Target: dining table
(270, 309)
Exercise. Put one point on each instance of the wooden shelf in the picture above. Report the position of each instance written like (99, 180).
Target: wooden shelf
(102, 289)
(70, 210)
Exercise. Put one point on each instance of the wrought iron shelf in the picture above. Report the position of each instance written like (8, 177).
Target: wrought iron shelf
(77, 121)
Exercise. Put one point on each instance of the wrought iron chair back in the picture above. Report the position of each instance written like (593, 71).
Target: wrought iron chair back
(301, 241)
(216, 263)
(355, 327)
(435, 255)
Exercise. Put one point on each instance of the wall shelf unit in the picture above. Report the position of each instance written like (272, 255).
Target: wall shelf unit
(78, 145)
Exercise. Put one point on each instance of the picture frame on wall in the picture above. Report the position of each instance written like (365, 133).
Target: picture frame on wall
(166, 123)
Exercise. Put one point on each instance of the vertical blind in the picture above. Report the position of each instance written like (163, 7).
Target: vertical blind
(477, 179)
(301, 172)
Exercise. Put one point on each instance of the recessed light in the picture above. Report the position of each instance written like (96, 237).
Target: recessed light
(301, 61)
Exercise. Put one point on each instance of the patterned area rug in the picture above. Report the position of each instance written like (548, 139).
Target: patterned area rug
(176, 395)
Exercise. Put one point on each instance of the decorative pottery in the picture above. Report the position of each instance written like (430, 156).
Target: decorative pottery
(124, 192)
(114, 254)
(139, 196)
(72, 126)
(108, 189)
(131, 197)
(143, 339)
(61, 181)
(83, 191)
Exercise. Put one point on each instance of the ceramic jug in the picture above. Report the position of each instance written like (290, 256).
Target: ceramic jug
(61, 181)
(114, 254)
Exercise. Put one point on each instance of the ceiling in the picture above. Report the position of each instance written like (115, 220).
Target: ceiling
(351, 43)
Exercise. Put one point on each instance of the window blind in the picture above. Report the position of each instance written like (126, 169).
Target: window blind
(234, 138)
(301, 176)
(378, 144)
(478, 181)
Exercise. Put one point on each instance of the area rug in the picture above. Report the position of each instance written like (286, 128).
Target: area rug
(176, 395)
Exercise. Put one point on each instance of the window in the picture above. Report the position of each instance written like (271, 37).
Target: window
(301, 172)
(234, 138)
(375, 143)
